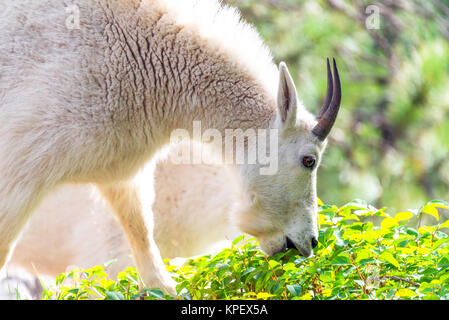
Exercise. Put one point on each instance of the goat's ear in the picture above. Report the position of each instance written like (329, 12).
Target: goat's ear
(287, 96)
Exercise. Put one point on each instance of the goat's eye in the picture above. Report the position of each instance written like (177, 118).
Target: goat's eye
(308, 162)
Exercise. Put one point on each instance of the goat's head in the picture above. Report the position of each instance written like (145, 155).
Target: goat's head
(283, 209)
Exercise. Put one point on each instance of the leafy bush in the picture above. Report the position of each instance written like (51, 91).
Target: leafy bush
(355, 259)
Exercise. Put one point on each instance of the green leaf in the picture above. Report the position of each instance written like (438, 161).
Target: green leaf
(238, 239)
(431, 210)
(60, 278)
(356, 204)
(325, 235)
(264, 295)
(273, 263)
(222, 266)
(439, 243)
(74, 291)
(326, 276)
(341, 260)
(412, 232)
(388, 223)
(114, 295)
(156, 293)
(401, 216)
(431, 296)
(247, 271)
(439, 204)
(427, 229)
(445, 224)
(405, 293)
(294, 289)
(364, 254)
(388, 257)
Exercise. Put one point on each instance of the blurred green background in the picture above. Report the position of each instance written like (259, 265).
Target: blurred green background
(390, 144)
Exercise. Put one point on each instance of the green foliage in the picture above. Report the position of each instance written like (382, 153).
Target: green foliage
(355, 259)
(93, 283)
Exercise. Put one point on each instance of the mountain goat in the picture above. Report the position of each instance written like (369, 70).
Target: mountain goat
(93, 101)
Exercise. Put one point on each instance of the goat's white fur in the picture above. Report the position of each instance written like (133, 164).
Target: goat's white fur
(94, 104)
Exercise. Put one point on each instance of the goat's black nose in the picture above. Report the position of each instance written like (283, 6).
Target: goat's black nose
(290, 244)
(314, 242)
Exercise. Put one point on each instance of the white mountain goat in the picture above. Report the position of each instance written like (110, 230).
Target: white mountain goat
(93, 101)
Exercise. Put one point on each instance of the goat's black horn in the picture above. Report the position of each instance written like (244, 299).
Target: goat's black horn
(328, 112)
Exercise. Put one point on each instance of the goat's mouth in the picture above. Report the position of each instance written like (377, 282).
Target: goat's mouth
(289, 244)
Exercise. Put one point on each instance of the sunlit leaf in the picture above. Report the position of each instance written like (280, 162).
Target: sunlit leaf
(431, 210)
(388, 257)
(445, 224)
(264, 295)
(405, 293)
(388, 223)
(425, 229)
(401, 216)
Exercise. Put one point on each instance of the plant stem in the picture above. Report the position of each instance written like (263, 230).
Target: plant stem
(403, 279)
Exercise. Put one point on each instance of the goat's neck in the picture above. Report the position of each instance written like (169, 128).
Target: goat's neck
(220, 98)
(185, 81)
(227, 106)
(240, 111)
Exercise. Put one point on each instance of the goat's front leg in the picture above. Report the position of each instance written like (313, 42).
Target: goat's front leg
(18, 197)
(135, 214)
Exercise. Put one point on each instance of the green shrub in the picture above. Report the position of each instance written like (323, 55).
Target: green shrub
(354, 259)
